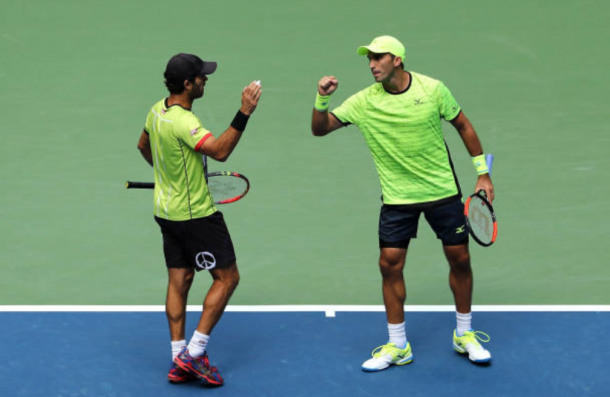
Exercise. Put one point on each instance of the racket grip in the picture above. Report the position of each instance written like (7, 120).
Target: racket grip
(139, 185)
(489, 159)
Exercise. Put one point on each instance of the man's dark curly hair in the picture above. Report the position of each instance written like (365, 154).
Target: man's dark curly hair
(176, 87)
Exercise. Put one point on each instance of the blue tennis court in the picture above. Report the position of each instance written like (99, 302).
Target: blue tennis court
(304, 354)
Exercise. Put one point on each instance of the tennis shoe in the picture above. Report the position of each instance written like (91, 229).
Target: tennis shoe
(177, 374)
(199, 367)
(469, 344)
(386, 355)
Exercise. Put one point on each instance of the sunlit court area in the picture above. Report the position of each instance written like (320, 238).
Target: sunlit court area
(83, 276)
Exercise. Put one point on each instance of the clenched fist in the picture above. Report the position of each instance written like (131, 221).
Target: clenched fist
(327, 85)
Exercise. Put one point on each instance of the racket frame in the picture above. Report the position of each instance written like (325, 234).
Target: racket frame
(232, 174)
(481, 194)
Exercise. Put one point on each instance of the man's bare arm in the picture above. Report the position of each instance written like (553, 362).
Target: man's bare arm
(474, 147)
(321, 122)
(144, 146)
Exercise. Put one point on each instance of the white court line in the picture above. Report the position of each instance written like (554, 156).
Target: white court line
(329, 310)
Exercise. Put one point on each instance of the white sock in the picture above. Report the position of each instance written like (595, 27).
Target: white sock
(177, 345)
(198, 344)
(463, 322)
(398, 335)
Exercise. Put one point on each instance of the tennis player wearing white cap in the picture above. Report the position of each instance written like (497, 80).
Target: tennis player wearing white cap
(400, 118)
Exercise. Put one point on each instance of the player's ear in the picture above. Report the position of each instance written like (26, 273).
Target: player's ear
(397, 61)
(187, 84)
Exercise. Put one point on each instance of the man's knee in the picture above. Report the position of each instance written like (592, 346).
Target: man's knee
(460, 261)
(391, 263)
(228, 276)
(234, 278)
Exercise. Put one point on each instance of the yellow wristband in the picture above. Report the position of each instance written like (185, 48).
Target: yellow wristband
(322, 101)
(480, 164)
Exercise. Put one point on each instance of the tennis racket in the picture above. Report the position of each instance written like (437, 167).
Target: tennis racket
(225, 186)
(480, 215)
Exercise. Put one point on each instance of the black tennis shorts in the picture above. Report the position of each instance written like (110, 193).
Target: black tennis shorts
(202, 243)
(398, 223)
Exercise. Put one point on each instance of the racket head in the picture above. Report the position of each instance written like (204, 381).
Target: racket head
(481, 219)
(227, 187)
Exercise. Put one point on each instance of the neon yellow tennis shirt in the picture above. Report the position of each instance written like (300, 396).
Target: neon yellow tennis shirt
(404, 134)
(181, 192)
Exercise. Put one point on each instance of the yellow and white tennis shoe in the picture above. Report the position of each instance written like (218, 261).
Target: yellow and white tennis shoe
(469, 343)
(386, 355)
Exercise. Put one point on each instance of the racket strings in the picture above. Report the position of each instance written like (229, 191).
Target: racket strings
(226, 187)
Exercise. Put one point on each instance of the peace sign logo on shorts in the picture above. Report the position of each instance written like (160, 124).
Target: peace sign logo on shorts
(205, 260)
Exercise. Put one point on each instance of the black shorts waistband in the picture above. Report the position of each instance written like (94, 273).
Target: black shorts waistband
(428, 204)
